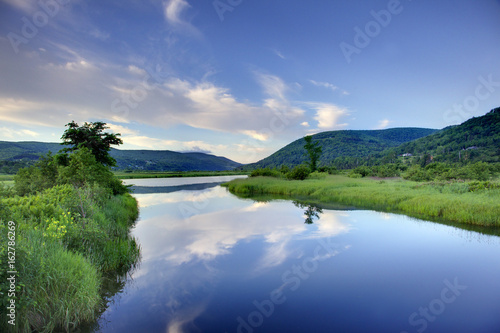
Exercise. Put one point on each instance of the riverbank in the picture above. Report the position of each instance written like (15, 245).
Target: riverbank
(63, 240)
(171, 174)
(475, 202)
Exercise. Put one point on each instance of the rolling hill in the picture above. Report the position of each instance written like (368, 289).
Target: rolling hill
(23, 153)
(477, 139)
(342, 146)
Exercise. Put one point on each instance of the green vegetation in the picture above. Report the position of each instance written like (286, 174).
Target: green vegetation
(15, 155)
(470, 202)
(72, 219)
(92, 137)
(341, 149)
(313, 152)
(477, 139)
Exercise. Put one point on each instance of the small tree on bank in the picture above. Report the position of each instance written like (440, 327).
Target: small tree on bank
(91, 136)
(313, 151)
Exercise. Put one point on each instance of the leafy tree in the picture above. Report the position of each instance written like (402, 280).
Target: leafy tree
(313, 151)
(38, 177)
(92, 136)
(300, 172)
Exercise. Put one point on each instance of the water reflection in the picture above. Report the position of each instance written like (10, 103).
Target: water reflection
(209, 257)
(312, 211)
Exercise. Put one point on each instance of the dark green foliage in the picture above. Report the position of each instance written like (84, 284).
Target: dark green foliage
(364, 171)
(92, 137)
(147, 160)
(81, 170)
(313, 152)
(481, 171)
(300, 172)
(266, 172)
(477, 139)
(331, 170)
(342, 149)
(38, 177)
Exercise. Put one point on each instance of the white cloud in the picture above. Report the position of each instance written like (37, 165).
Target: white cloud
(383, 123)
(206, 235)
(136, 70)
(16, 135)
(121, 129)
(324, 85)
(328, 116)
(273, 85)
(256, 135)
(173, 10)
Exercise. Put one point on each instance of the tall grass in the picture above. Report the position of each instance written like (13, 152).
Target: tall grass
(67, 238)
(460, 202)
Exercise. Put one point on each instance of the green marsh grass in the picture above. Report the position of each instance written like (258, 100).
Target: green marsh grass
(62, 255)
(449, 201)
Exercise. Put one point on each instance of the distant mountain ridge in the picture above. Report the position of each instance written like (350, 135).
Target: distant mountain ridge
(476, 139)
(343, 144)
(153, 160)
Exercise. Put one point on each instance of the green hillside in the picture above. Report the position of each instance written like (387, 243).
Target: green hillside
(343, 147)
(14, 155)
(477, 139)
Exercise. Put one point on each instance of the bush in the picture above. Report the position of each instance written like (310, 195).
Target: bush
(317, 175)
(265, 172)
(331, 170)
(80, 169)
(354, 175)
(416, 173)
(363, 170)
(300, 172)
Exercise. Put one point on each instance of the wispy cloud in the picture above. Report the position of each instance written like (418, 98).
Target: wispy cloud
(17, 135)
(324, 85)
(278, 53)
(173, 10)
(383, 123)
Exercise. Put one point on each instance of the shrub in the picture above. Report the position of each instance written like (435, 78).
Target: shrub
(300, 172)
(265, 172)
(354, 175)
(317, 175)
(416, 173)
(284, 169)
(363, 170)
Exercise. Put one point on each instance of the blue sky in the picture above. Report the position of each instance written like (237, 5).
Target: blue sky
(242, 78)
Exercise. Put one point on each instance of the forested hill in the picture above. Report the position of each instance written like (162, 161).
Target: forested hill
(477, 139)
(339, 145)
(18, 154)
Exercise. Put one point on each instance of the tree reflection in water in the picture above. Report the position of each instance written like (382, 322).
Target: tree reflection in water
(311, 211)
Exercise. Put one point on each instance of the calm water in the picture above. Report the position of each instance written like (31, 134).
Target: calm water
(212, 262)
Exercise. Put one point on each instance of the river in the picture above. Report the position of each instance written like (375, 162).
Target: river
(213, 262)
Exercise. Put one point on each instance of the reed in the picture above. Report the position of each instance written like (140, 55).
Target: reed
(476, 203)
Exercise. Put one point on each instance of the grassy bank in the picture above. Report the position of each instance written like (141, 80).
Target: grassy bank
(476, 202)
(66, 239)
(155, 174)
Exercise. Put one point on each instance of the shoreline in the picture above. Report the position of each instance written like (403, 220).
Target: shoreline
(465, 203)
